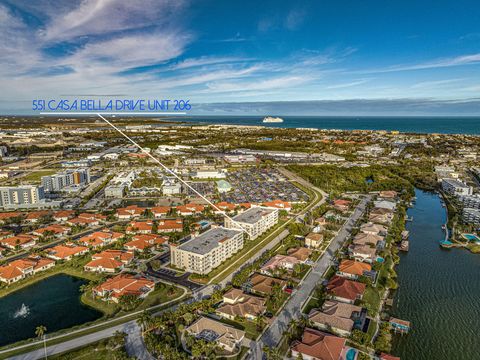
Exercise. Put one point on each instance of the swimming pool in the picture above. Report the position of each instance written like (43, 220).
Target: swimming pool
(380, 259)
(351, 354)
(471, 237)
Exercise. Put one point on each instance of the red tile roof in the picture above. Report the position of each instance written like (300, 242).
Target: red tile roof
(345, 288)
(319, 345)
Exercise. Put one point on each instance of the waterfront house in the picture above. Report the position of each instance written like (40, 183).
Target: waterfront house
(367, 239)
(318, 345)
(236, 303)
(363, 253)
(145, 241)
(337, 317)
(373, 229)
(353, 269)
(226, 337)
(344, 290)
(66, 252)
(109, 261)
(385, 204)
(313, 240)
(399, 325)
(388, 194)
(21, 268)
(124, 284)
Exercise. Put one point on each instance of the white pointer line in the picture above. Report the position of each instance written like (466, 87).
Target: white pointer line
(172, 173)
(110, 113)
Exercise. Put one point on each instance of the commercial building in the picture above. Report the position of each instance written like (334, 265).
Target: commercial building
(61, 180)
(456, 187)
(255, 221)
(207, 251)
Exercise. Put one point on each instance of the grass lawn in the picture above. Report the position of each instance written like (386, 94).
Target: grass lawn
(35, 176)
(371, 300)
(313, 303)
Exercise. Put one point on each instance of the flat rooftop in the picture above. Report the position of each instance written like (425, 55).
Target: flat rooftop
(209, 240)
(252, 215)
(456, 183)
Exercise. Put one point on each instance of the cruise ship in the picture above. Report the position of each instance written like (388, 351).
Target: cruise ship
(270, 119)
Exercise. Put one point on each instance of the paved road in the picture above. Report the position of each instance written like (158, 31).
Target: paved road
(292, 309)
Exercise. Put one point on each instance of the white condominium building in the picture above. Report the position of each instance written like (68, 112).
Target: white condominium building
(456, 187)
(255, 221)
(207, 251)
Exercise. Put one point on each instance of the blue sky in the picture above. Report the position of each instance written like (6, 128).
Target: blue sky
(242, 51)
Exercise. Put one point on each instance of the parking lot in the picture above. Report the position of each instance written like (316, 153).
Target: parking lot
(259, 185)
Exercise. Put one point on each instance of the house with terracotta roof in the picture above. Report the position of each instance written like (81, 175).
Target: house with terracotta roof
(237, 303)
(278, 204)
(337, 317)
(124, 284)
(109, 261)
(54, 229)
(313, 240)
(130, 212)
(87, 219)
(190, 209)
(263, 285)
(23, 241)
(170, 225)
(364, 253)
(279, 262)
(388, 194)
(9, 215)
(35, 216)
(140, 227)
(224, 206)
(318, 345)
(99, 239)
(145, 241)
(353, 269)
(63, 215)
(344, 290)
(160, 211)
(301, 253)
(66, 252)
(21, 268)
(341, 205)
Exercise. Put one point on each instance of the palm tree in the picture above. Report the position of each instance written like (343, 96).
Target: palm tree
(145, 320)
(40, 332)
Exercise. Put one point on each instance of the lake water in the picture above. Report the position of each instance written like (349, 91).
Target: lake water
(53, 303)
(439, 291)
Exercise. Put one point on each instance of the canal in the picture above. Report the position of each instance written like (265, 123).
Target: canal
(53, 303)
(438, 291)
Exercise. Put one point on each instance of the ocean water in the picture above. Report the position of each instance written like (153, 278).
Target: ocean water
(442, 125)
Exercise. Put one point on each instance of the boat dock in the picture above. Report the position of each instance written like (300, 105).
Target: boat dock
(404, 245)
(399, 326)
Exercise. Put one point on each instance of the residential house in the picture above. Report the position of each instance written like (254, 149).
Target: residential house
(63, 215)
(145, 241)
(190, 209)
(35, 216)
(123, 284)
(336, 317)
(345, 290)
(160, 211)
(140, 227)
(100, 238)
(278, 204)
(373, 229)
(23, 241)
(363, 253)
(367, 239)
(318, 345)
(279, 262)
(263, 285)
(385, 204)
(54, 229)
(21, 268)
(353, 269)
(109, 261)
(341, 205)
(130, 212)
(9, 215)
(226, 337)
(301, 253)
(66, 252)
(236, 303)
(313, 240)
(170, 225)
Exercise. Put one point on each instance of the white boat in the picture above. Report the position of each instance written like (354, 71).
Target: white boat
(270, 119)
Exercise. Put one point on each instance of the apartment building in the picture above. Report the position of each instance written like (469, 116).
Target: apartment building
(61, 180)
(24, 196)
(470, 201)
(471, 216)
(255, 221)
(207, 251)
(456, 187)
